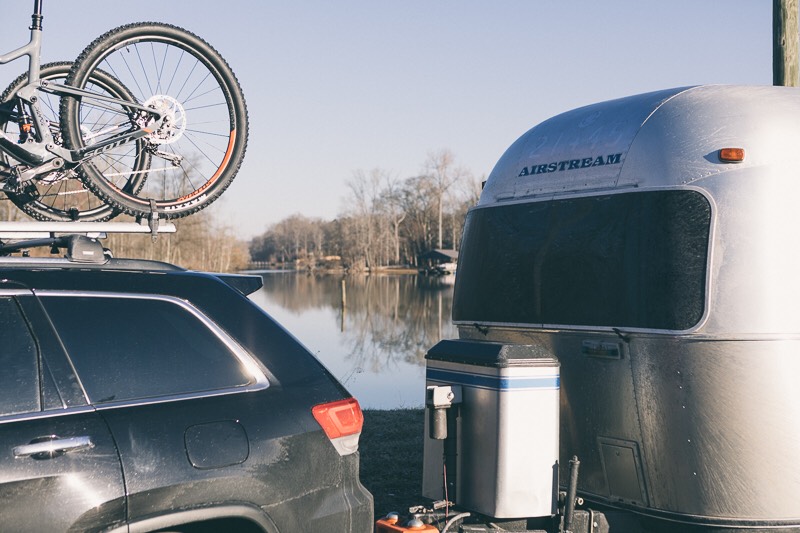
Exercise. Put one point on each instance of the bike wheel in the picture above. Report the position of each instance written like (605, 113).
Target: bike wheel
(197, 150)
(61, 195)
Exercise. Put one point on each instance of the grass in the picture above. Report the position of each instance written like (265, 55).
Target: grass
(391, 458)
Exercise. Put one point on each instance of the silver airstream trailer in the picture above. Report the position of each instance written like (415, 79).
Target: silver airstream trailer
(638, 260)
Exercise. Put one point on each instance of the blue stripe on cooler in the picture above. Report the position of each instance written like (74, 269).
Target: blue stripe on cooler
(499, 383)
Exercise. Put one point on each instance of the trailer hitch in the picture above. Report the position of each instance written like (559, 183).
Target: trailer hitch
(443, 402)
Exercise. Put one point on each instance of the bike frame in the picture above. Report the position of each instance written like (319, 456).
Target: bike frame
(44, 155)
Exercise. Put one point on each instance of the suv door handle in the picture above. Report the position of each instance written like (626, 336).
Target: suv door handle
(53, 446)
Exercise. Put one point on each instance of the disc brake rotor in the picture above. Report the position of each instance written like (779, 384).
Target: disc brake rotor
(174, 123)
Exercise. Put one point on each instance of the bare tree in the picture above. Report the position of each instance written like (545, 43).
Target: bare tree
(364, 208)
(392, 207)
(440, 166)
(420, 207)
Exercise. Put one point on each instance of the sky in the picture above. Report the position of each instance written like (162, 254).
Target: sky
(334, 87)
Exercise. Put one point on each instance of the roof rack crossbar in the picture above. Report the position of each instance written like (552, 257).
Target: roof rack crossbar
(80, 248)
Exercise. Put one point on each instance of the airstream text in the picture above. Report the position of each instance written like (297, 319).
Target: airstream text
(571, 164)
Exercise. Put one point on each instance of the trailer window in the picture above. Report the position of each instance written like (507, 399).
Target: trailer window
(624, 260)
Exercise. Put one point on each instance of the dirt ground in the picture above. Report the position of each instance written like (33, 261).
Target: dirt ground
(391, 458)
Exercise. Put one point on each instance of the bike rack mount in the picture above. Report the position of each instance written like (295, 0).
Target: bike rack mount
(99, 230)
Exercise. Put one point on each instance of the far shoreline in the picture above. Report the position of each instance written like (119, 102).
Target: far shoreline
(332, 271)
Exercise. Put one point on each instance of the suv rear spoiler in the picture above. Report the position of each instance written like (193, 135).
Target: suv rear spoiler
(244, 283)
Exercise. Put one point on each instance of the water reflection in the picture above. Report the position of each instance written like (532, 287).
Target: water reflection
(372, 332)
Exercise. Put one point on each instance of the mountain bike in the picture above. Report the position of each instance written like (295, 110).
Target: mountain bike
(149, 120)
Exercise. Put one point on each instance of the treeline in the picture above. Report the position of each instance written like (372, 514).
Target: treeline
(200, 243)
(388, 221)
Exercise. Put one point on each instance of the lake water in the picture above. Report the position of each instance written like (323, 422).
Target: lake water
(374, 343)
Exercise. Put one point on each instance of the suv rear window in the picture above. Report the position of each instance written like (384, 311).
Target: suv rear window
(126, 348)
(623, 260)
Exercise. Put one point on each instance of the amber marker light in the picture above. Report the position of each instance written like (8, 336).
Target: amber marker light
(731, 155)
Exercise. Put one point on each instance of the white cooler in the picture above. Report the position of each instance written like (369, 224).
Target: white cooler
(507, 433)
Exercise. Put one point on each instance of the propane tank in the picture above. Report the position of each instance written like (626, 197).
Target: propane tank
(391, 524)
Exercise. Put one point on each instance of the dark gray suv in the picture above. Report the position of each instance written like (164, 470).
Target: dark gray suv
(138, 396)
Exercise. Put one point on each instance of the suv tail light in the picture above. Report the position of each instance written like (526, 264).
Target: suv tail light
(342, 421)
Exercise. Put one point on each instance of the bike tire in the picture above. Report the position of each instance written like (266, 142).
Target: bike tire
(198, 153)
(62, 195)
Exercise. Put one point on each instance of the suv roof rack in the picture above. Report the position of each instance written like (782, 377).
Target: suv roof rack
(79, 238)
(99, 230)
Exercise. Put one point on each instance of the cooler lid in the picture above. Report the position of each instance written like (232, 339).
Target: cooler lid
(491, 354)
